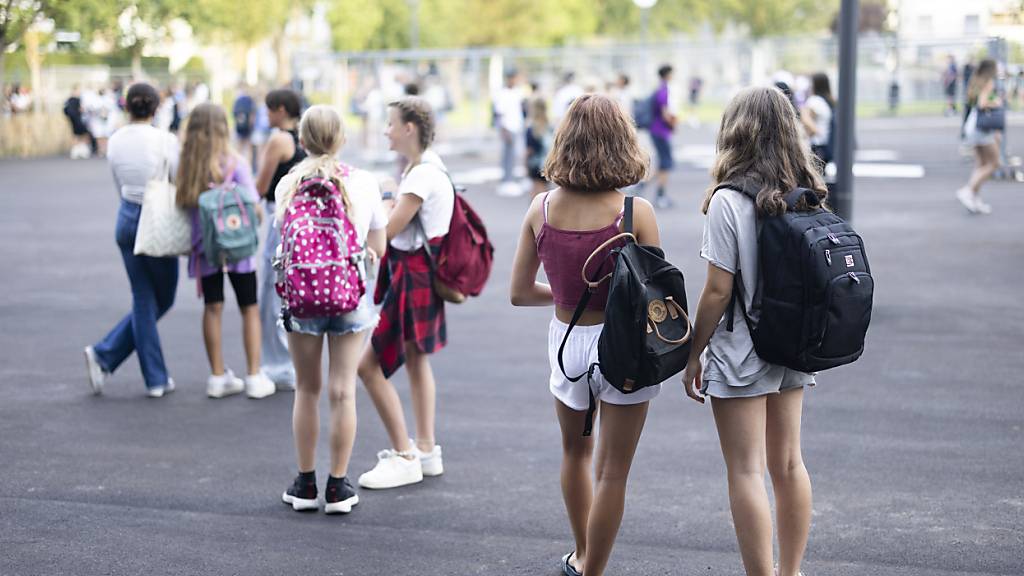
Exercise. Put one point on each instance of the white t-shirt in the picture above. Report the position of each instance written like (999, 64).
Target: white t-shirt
(508, 105)
(822, 118)
(136, 154)
(730, 243)
(428, 180)
(366, 212)
(563, 99)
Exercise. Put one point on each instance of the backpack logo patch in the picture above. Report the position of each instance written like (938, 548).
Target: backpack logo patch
(849, 261)
(233, 222)
(657, 311)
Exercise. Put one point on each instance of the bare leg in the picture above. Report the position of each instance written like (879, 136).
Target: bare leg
(251, 337)
(619, 434)
(741, 432)
(986, 163)
(306, 350)
(211, 336)
(577, 489)
(385, 399)
(424, 396)
(343, 352)
(791, 483)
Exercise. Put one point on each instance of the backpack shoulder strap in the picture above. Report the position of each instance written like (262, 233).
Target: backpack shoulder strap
(627, 215)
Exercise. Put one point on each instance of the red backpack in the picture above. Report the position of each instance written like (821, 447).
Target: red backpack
(463, 264)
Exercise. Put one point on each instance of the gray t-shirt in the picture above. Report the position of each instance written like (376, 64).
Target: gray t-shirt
(730, 243)
(137, 154)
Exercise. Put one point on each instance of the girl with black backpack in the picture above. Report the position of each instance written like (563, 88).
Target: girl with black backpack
(595, 153)
(757, 405)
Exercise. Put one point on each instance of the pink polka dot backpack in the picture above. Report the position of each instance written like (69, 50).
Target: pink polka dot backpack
(319, 272)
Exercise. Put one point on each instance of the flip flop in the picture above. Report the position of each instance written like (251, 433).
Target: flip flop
(567, 567)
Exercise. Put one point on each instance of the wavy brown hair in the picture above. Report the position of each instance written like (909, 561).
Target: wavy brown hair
(759, 145)
(596, 148)
(205, 146)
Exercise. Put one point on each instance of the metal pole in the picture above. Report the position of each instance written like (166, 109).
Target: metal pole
(997, 51)
(414, 24)
(842, 197)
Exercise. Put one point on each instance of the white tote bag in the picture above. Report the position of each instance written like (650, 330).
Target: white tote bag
(164, 228)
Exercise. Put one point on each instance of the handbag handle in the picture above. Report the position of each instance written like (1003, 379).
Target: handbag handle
(689, 328)
(591, 284)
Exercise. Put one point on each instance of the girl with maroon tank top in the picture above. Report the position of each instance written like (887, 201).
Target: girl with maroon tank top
(595, 153)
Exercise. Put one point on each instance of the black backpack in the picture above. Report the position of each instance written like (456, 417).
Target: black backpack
(815, 290)
(646, 335)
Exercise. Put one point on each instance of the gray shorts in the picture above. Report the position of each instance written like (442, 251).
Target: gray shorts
(777, 379)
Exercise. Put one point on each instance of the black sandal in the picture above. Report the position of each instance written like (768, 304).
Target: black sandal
(567, 567)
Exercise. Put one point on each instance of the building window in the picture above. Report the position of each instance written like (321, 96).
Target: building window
(972, 25)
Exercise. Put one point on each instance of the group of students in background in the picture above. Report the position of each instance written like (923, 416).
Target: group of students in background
(282, 352)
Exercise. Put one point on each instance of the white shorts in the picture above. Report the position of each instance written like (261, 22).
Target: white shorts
(580, 353)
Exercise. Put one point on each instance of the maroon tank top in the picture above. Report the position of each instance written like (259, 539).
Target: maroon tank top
(563, 253)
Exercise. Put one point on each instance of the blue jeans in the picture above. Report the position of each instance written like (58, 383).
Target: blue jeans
(154, 282)
(277, 362)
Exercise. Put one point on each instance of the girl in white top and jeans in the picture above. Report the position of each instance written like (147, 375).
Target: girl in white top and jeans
(757, 405)
(138, 153)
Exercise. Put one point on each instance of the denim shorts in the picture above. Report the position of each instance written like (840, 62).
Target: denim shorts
(664, 149)
(359, 320)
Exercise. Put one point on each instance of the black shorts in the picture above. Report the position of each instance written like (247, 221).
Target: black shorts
(244, 285)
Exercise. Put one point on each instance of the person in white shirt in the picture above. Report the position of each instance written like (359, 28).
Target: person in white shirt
(321, 134)
(816, 117)
(412, 322)
(508, 111)
(139, 153)
(568, 92)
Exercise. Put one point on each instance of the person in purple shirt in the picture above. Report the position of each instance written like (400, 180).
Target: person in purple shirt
(663, 123)
(206, 158)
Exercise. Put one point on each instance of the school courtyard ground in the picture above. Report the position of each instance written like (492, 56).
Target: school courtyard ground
(915, 451)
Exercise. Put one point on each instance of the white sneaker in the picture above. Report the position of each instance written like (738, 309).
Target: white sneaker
(430, 462)
(160, 391)
(967, 198)
(259, 386)
(393, 469)
(981, 206)
(97, 377)
(226, 384)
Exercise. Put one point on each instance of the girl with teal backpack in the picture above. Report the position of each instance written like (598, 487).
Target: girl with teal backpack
(216, 185)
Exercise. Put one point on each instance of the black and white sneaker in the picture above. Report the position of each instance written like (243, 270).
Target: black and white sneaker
(301, 495)
(340, 496)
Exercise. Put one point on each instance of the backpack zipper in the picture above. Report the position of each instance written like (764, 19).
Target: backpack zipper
(828, 256)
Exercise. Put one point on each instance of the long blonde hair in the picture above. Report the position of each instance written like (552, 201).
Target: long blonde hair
(204, 148)
(322, 134)
(759, 145)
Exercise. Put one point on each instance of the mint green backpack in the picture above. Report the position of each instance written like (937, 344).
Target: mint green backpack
(227, 219)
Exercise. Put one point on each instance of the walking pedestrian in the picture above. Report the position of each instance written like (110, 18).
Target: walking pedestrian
(757, 406)
(244, 113)
(663, 123)
(539, 136)
(949, 77)
(412, 320)
(322, 134)
(982, 99)
(207, 160)
(138, 153)
(508, 110)
(818, 118)
(595, 153)
(76, 117)
(280, 154)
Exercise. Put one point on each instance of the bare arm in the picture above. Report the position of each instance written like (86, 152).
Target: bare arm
(985, 95)
(713, 303)
(808, 119)
(525, 289)
(273, 154)
(645, 224)
(377, 241)
(403, 213)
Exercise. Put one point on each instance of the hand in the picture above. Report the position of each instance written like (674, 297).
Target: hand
(692, 378)
(259, 213)
(371, 257)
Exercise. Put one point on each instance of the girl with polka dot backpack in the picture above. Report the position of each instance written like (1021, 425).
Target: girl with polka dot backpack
(333, 226)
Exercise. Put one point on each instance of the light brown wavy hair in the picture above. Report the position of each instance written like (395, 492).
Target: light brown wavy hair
(985, 73)
(596, 148)
(759, 145)
(205, 146)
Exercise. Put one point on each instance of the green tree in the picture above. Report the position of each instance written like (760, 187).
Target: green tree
(764, 18)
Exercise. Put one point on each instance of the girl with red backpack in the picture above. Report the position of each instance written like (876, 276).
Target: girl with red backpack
(319, 203)
(412, 323)
(595, 153)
